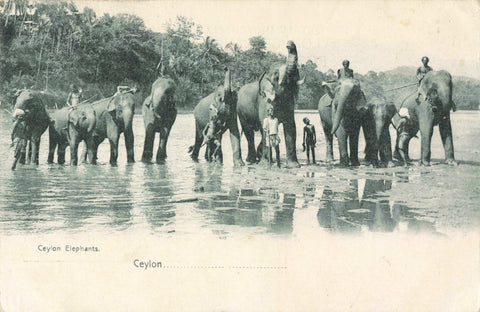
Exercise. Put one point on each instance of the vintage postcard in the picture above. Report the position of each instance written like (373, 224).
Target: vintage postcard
(239, 155)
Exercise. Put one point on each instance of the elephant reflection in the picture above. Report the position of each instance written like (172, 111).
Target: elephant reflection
(154, 201)
(245, 207)
(360, 208)
(351, 210)
(105, 202)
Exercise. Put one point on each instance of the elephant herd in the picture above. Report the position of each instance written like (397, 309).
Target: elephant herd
(344, 110)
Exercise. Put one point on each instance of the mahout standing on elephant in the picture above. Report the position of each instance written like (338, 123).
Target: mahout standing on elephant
(159, 114)
(278, 88)
(68, 127)
(432, 108)
(214, 114)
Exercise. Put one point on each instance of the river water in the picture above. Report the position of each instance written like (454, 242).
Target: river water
(183, 197)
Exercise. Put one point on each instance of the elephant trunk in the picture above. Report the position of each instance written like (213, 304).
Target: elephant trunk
(341, 98)
(228, 80)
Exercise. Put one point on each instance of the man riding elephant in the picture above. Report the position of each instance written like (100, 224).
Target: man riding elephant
(346, 71)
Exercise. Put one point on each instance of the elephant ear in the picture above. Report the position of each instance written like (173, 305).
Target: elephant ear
(391, 110)
(73, 118)
(111, 104)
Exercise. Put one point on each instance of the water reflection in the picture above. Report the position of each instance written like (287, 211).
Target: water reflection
(156, 192)
(244, 207)
(201, 198)
(362, 207)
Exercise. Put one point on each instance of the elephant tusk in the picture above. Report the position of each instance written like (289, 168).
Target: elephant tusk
(156, 114)
(300, 82)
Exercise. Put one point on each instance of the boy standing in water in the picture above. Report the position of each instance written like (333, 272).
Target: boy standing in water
(402, 132)
(270, 126)
(309, 139)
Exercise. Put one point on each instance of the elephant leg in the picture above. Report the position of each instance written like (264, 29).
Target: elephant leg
(235, 141)
(52, 146)
(385, 148)
(90, 143)
(61, 153)
(96, 143)
(396, 153)
(371, 140)
(252, 152)
(353, 144)
(74, 142)
(290, 133)
(35, 145)
(207, 155)
(114, 149)
(342, 146)
(218, 154)
(28, 154)
(445, 127)
(148, 143)
(327, 130)
(162, 146)
(23, 153)
(261, 149)
(129, 144)
(426, 131)
(198, 143)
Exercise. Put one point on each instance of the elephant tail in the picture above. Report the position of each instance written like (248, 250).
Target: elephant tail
(190, 149)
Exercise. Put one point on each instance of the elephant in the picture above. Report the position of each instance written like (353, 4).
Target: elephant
(113, 116)
(253, 99)
(343, 110)
(159, 114)
(31, 113)
(218, 111)
(70, 126)
(428, 107)
(382, 112)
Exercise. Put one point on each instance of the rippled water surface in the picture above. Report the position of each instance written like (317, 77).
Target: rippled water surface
(183, 197)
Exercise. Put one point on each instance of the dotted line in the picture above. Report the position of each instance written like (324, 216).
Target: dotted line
(223, 267)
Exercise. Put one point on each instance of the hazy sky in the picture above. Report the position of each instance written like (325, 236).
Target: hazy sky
(373, 35)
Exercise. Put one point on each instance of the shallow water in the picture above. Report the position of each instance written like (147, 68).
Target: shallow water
(183, 197)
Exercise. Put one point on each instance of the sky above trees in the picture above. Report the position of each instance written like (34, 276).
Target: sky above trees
(373, 35)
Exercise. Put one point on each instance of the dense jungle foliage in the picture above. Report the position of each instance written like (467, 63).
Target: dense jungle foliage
(49, 45)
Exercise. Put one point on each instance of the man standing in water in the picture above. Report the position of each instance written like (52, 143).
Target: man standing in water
(270, 127)
(309, 139)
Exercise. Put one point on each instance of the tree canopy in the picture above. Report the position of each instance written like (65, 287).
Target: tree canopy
(50, 45)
